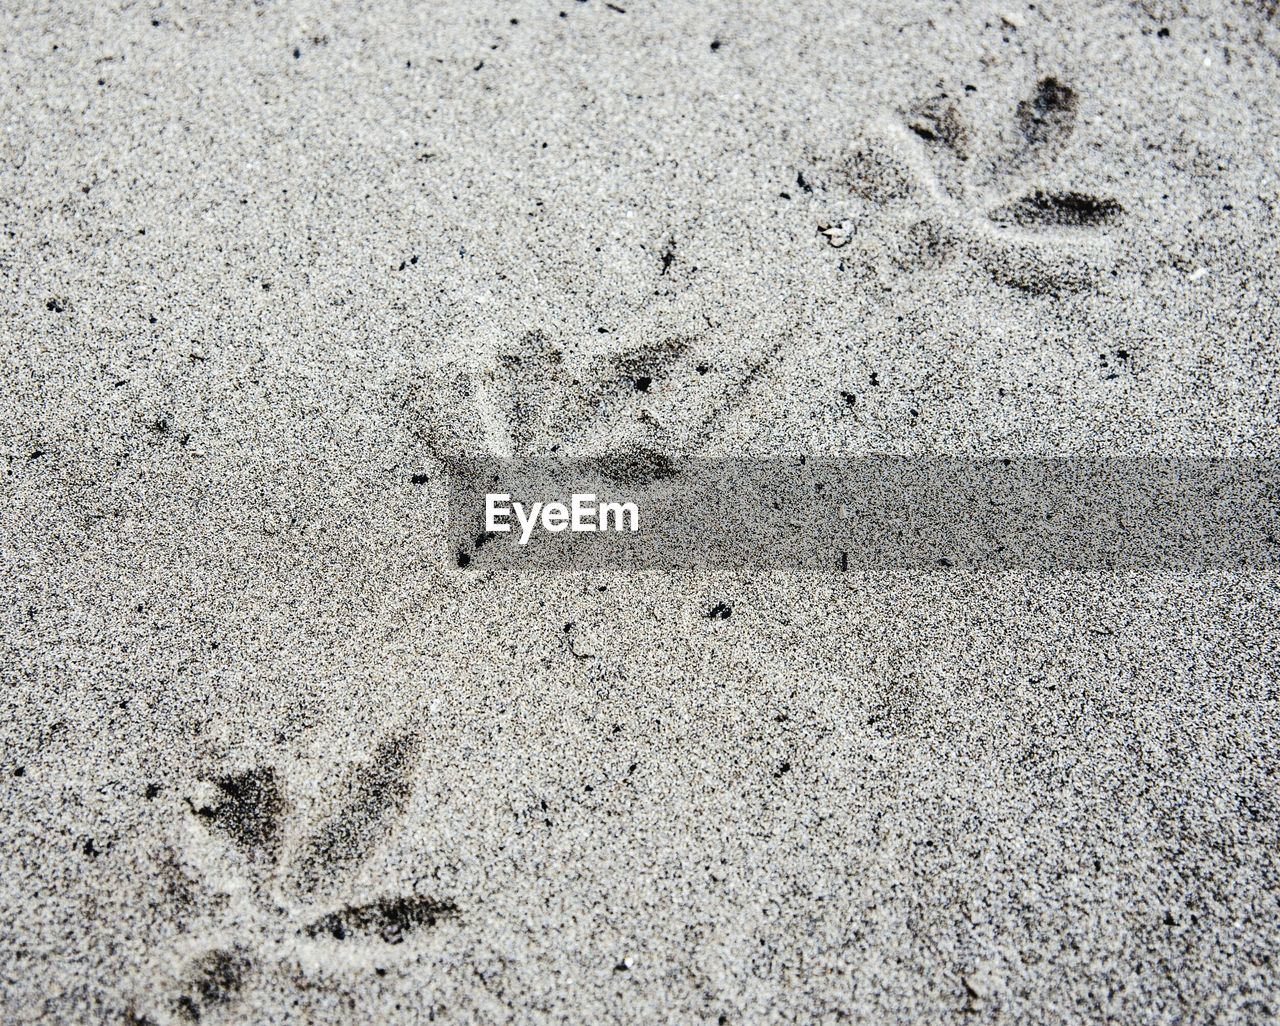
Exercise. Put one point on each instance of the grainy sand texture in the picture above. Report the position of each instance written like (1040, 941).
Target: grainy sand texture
(275, 749)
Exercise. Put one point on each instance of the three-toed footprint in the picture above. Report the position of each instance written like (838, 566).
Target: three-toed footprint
(273, 882)
(633, 415)
(924, 190)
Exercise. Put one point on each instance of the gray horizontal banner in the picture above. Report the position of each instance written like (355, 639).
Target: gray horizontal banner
(650, 512)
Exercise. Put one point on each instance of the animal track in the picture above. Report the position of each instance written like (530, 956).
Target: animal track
(630, 417)
(536, 400)
(926, 194)
(277, 884)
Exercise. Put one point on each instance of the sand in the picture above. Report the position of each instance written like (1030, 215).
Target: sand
(272, 756)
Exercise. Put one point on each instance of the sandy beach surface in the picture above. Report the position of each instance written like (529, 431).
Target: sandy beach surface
(271, 753)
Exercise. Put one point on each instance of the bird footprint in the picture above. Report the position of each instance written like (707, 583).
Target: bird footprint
(631, 415)
(285, 881)
(925, 194)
